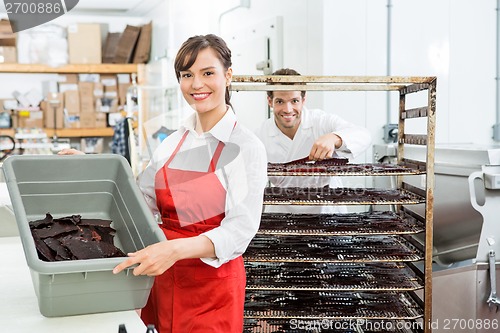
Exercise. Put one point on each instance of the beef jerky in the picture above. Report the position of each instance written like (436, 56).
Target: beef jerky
(56, 229)
(96, 222)
(73, 219)
(62, 252)
(106, 235)
(72, 237)
(48, 220)
(88, 249)
(44, 252)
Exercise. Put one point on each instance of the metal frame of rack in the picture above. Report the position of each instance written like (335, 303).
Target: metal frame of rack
(405, 86)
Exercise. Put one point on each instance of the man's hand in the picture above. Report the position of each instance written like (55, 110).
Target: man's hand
(324, 147)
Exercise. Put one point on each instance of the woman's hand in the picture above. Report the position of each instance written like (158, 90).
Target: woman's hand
(153, 260)
(70, 151)
(157, 258)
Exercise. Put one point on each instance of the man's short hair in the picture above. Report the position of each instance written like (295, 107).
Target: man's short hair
(285, 71)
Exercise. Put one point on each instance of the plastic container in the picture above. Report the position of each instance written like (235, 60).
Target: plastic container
(94, 186)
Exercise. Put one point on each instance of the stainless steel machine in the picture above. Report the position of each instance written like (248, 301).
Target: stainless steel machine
(466, 235)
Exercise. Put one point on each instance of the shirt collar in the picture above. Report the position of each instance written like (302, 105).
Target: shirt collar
(221, 131)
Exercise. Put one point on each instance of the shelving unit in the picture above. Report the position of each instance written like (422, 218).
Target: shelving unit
(76, 69)
(139, 69)
(70, 132)
(338, 269)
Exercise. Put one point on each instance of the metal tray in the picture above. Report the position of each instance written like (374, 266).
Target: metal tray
(374, 223)
(332, 276)
(264, 248)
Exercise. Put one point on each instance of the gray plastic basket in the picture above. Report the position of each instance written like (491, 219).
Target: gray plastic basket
(94, 186)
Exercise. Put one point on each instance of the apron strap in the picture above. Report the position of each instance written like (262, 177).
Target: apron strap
(218, 151)
(215, 158)
(179, 145)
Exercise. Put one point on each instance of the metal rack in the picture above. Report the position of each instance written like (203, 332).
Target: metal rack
(331, 270)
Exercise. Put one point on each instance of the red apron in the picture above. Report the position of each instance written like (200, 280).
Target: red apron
(192, 296)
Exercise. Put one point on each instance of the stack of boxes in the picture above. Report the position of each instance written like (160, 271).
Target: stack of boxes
(77, 100)
(83, 101)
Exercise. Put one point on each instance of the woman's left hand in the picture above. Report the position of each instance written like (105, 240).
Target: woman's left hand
(153, 260)
(157, 258)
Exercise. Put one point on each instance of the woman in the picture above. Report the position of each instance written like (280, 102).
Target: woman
(206, 181)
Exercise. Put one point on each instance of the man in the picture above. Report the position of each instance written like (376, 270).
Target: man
(295, 132)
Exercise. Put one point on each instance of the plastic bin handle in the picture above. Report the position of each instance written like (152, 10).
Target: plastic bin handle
(472, 189)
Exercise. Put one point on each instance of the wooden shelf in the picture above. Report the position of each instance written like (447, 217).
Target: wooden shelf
(70, 132)
(7, 131)
(80, 132)
(139, 69)
(83, 68)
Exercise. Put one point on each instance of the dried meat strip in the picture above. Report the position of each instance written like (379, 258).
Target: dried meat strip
(44, 252)
(62, 252)
(72, 237)
(48, 220)
(89, 249)
(56, 229)
(96, 223)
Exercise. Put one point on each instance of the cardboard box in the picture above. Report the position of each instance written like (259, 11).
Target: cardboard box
(101, 119)
(72, 121)
(30, 119)
(54, 104)
(89, 77)
(8, 54)
(143, 47)
(87, 120)
(63, 87)
(109, 80)
(122, 93)
(7, 37)
(85, 43)
(67, 78)
(72, 101)
(110, 46)
(126, 45)
(98, 90)
(86, 90)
